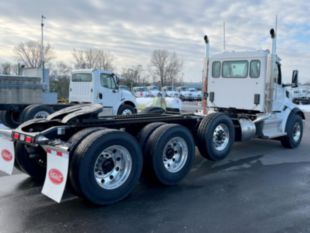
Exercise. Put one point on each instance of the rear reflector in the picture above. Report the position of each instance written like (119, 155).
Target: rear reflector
(48, 150)
(59, 153)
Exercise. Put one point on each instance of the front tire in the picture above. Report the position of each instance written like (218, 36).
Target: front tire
(215, 136)
(109, 166)
(294, 130)
(126, 109)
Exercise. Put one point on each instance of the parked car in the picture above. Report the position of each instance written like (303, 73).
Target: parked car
(169, 91)
(154, 90)
(184, 93)
(195, 94)
(124, 87)
(141, 92)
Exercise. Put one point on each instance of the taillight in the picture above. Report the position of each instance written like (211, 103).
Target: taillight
(15, 136)
(28, 139)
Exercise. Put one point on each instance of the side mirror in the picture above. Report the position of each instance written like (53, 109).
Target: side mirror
(295, 78)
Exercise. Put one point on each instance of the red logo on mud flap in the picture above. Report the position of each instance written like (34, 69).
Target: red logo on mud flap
(55, 176)
(6, 155)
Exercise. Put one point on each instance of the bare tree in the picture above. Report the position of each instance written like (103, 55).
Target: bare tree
(133, 75)
(166, 66)
(93, 58)
(29, 53)
(60, 78)
(174, 68)
(8, 68)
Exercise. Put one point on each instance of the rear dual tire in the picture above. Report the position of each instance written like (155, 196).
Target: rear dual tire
(10, 119)
(108, 166)
(36, 111)
(31, 161)
(169, 152)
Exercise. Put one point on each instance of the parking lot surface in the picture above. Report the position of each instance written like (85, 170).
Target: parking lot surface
(260, 187)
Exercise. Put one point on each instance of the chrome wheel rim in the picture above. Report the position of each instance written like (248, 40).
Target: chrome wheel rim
(220, 137)
(113, 167)
(127, 112)
(175, 154)
(296, 132)
(41, 114)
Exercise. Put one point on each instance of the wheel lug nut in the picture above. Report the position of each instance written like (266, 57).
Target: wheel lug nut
(111, 177)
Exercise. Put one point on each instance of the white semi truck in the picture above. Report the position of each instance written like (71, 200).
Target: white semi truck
(103, 157)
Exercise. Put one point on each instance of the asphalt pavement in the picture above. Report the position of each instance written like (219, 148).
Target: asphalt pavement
(260, 187)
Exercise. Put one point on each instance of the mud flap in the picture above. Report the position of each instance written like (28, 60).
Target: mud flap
(7, 154)
(56, 173)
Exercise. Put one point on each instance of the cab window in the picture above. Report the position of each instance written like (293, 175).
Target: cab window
(216, 69)
(255, 68)
(235, 69)
(107, 81)
(82, 77)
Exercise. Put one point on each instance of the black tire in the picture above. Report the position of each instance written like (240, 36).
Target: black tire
(89, 150)
(31, 161)
(161, 146)
(289, 141)
(153, 110)
(32, 111)
(145, 133)
(74, 141)
(125, 107)
(10, 119)
(205, 136)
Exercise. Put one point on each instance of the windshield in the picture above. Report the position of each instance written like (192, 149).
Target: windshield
(183, 89)
(170, 88)
(153, 88)
(81, 77)
(140, 89)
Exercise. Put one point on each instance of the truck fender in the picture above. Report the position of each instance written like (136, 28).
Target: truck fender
(115, 110)
(287, 113)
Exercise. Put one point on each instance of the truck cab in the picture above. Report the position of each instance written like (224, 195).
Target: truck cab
(248, 86)
(101, 87)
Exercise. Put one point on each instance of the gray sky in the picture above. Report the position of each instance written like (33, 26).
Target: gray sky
(130, 30)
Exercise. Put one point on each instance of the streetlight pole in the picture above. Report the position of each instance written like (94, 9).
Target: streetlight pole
(42, 48)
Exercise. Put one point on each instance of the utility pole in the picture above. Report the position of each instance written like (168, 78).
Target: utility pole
(224, 36)
(42, 49)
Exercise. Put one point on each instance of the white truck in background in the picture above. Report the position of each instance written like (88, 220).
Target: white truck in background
(101, 87)
(23, 97)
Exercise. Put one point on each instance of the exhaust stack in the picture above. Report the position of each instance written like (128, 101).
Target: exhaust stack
(205, 78)
(273, 61)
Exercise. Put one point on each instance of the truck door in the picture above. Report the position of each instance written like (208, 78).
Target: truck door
(108, 93)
